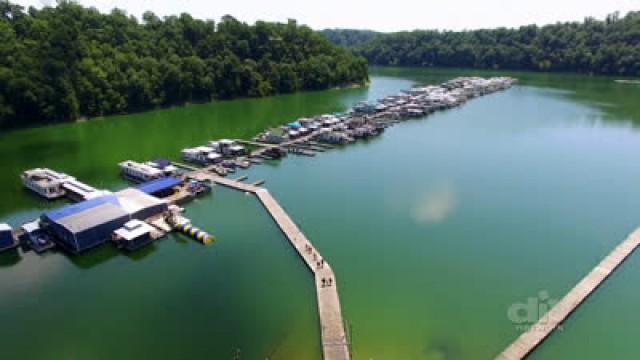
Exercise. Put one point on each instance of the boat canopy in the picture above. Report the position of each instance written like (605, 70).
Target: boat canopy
(159, 185)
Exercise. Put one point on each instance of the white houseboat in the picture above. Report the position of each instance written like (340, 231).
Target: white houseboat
(139, 172)
(227, 147)
(165, 166)
(46, 182)
(201, 155)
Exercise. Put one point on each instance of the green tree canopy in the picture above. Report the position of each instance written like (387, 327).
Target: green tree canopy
(68, 61)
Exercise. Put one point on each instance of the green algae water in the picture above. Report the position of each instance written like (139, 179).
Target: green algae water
(436, 230)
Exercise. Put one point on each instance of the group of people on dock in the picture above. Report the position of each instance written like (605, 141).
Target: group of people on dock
(318, 260)
(326, 282)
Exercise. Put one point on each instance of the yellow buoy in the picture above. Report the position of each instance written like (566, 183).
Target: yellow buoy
(208, 240)
(195, 233)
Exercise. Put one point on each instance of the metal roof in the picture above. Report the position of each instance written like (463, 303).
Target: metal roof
(74, 209)
(158, 185)
(134, 200)
(97, 215)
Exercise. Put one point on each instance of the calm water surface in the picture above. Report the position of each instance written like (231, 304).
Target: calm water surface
(435, 230)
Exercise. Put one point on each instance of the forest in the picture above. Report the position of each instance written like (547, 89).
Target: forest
(610, 46)
(349, 37)
(70, 62)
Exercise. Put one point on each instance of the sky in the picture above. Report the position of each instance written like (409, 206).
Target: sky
(385, 16)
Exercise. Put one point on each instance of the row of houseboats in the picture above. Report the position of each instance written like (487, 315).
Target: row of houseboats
(364, 120)
(368, 119)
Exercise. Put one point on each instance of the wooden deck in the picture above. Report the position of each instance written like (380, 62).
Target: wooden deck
(528, 341)
(334, 340)
(335, 344)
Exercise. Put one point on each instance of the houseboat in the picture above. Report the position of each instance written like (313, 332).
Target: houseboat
(201, 155)
(165, 166)
(227, 148)
(364, 108)
(139, 172)
(333, 137)
(46, 182)
(274, 136)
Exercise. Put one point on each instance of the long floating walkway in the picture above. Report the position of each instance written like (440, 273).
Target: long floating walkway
(528, 341)
(335, 345)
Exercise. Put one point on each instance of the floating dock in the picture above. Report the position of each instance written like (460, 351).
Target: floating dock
(528, 341)
(335, 345)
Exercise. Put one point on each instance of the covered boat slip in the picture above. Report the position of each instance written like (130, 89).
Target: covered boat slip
(160, 187)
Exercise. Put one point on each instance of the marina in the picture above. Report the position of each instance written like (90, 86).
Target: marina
(135, 217)
(365, 344)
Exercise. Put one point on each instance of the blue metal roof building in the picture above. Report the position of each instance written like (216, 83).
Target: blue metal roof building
(159, 186)
(81, 206)
(87, 224)
(90, 223)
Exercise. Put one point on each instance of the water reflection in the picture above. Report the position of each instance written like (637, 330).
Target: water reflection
(435, 205)
(94, 257)
(29, 272)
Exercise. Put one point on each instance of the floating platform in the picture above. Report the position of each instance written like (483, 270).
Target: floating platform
(545, 326)
(335, 344)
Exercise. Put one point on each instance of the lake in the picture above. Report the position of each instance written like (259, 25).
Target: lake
(435, 230)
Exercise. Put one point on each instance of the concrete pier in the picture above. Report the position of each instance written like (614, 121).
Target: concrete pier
(528, 341)
(335, 345)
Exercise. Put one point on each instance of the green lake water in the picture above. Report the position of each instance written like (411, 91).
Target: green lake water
(435, 230)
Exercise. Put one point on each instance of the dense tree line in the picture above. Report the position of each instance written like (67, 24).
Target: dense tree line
(610, 46)
(349, 37)
(67, 62)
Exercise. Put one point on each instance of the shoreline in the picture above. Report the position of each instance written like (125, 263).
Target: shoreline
(84, 119)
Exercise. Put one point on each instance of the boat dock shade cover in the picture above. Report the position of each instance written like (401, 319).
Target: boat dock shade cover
(159, 185)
